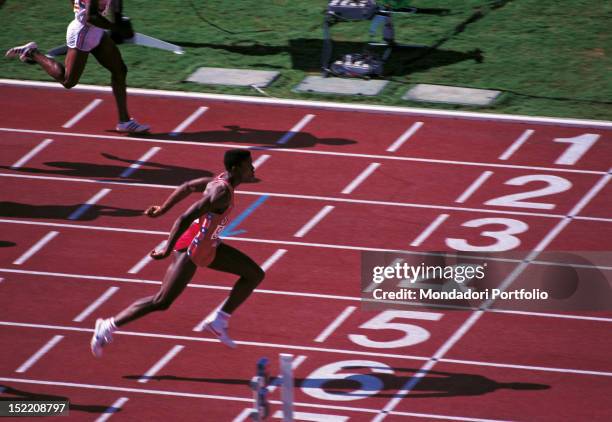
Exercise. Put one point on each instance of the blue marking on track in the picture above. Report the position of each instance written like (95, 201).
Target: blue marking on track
(230, 229)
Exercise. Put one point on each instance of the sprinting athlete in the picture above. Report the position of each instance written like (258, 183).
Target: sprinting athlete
(195, 241)
(85, 34)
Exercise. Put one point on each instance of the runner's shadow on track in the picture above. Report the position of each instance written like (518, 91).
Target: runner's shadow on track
(14, 393)
(433, 384)
(6, 243)
(62, 212)
(151, 172)
(244, 135)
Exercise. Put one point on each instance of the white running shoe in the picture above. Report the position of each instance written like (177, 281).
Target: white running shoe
(132, 126)
(219, 329)
(23, 51)
(103, 335)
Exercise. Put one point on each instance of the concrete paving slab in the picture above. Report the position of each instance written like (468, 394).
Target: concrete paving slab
(234, 77)
(451, 95)
(341, 86)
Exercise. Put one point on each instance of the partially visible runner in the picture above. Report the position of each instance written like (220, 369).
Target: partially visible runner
(195, 241)
(85, 34)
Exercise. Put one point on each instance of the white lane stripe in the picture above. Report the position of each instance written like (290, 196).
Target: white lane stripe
(118, 404)
(295, 129)
(314, 198)
(314, 221)
(474, 186)
(359, 179)
(244, 415)
(82, 137)
(145, 260)
(78, 213)
(226, 398)
(188, 121)
(96, 304)
(35, 248)
(273, 258)
(405, 136)
(142, 160)
(38, 148)
(320, 104)
(283, 293)
(161, 363)
(260, 160)
(506, 283)
(516, 145)
(39, 354)
(429, 230)
(335, 324)
(302, 349)
(82, 114)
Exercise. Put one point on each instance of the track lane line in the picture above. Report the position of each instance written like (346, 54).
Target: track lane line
(188, 121)
(516, 145)
(227, 398)
(160, 364)
(77, 118)
(360, 178)
(118, 404)
(314, 221)
(285, 293)
(318, 104)
(314, 198)
(295, 129)
(405, 136)
(474, 187)
(333, 326)
(38, 148)
(302, 349)
(39, 354)
(139, 163)
(87, 136)
(78, 213)
(35, 248)
(433, 226)
(96, 304)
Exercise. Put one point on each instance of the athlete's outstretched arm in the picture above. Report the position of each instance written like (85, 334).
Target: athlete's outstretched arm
(180, 193)
(217, 198)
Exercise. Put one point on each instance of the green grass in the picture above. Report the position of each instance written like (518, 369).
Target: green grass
(548, 57)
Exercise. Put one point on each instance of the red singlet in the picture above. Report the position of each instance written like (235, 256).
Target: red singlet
(202, 237)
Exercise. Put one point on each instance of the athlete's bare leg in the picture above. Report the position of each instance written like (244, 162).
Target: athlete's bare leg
(69, 73)
(108, 55)
(230, 260)
(178, 275)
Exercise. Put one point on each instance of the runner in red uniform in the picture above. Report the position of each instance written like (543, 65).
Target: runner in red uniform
(194, 241)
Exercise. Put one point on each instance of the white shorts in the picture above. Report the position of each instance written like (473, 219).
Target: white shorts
(83, 37)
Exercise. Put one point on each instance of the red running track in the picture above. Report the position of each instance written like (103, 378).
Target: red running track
(468, 174)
